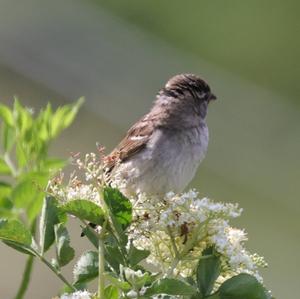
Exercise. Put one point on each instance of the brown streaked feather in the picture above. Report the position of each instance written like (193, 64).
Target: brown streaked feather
(135, 140)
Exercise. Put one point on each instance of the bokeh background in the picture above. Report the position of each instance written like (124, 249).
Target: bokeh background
(119, 53)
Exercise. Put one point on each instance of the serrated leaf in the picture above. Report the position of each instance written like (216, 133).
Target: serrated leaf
(51, 215)
(43, 123)
(86, 268)
(86, 231)
(8, 137)
(123, 285)
(23, 119)
(21, 155)
(29, 189)
(119, 205)
(170, 286)
(6, 204)
(208, 270)
(114, 257)
(5, 190)
(85, 210)
(242, 286)
(64, 252)
(136, 255)
(6, 115)
(15, 231)
(4, 168)
(64, 116)
(20, 247)
(67, 289)
(111, 292)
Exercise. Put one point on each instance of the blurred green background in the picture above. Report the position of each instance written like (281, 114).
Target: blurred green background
(119, 53)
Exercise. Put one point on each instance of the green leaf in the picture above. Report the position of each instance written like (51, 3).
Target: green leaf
(22, 117)
(8, 137)
(86, 267)
(67, 289)
(114, 257)
(85, 210)
(21, 155)
(120, 207)
(123, 285)
(6, 115)
(29, 189)
(136, 255)
(64, 116)
(5, 190)
(43, 123)
(170, 286)
(6, 204)
(4, 168)
(64, 252)
(208, 270)
(51, 215)
(15, 231)
(20, 247)
(111, 292)
(87, 231)
(242, 286)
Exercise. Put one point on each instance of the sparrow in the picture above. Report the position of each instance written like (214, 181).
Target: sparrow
(162, 151)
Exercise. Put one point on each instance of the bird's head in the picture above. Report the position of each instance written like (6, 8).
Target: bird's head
(187, 90)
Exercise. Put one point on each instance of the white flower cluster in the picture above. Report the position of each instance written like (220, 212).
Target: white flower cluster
(92, 165)
(77, 295)
(74, 190)
(93, 169)
(177, 228)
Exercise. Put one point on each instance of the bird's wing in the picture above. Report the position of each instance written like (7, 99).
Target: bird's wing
(134, 141)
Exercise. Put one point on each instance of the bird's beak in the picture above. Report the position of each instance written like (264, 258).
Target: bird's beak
(212, 97)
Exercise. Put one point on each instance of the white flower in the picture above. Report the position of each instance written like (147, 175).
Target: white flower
(87, 192)
(77, 295)
(185, 224)
(175, 228)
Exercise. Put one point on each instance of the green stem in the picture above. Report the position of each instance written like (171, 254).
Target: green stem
(101, 278)
(58, 274)
(176, 253)
(173, 266)
(26, 278)
(27, 271)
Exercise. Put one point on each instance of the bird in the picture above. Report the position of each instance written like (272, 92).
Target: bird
(162, 151)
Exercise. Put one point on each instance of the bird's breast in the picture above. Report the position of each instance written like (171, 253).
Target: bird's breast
(170, 160)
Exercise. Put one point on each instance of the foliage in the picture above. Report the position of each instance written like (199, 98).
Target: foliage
(25, 169)
(192, 262)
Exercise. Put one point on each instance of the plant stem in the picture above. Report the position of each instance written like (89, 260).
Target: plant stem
(28, 270)
(26, 278)
(172, 267)
(176, 253)
(58, 274)
(101, 284)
